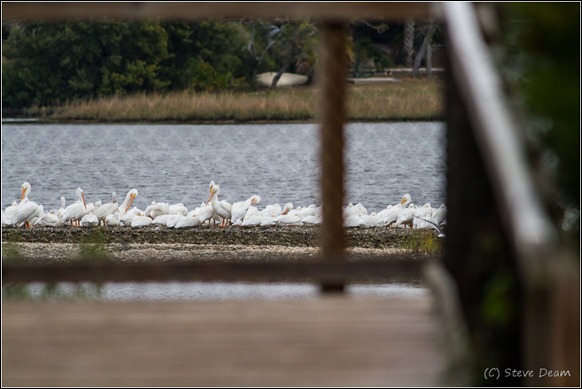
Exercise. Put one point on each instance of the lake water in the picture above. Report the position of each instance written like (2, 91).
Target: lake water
(175, 163)
(152, 291)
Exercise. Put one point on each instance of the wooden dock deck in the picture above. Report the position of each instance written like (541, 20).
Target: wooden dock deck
(326, 341)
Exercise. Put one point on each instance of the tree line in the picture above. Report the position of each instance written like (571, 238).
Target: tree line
(46, 63)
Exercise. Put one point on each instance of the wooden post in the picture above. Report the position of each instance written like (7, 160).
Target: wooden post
(332, 79)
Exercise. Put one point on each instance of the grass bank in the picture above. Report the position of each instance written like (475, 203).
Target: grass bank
(408, 99)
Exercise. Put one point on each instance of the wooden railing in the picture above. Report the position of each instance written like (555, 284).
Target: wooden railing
(332, 20)
(510, 227)
(486, 161)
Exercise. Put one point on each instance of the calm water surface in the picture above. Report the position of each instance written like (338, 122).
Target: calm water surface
(175, 163)
(152, 291)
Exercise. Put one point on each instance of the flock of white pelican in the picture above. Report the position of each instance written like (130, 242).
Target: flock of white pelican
(213, 211)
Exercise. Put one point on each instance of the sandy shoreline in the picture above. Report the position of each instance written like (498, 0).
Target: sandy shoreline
(204, 244)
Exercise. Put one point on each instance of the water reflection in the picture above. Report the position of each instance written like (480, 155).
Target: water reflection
(156, 291)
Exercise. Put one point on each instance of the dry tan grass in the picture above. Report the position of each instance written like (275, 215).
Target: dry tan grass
(405, 100)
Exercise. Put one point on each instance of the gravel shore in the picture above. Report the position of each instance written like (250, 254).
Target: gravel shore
(204, 244)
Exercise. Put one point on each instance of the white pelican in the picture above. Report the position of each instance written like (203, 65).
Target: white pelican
(253, 219)
(440, 214)
(371, 220)
(113, 220)
(157, 209)
(354, 215)
(406, 216)
(311, 219)
(140, 221)
(8, 213)
(221, 208)
(127, 217)
(107, 209)
(49, 220)
(352, 221)
(311, 210)
(435, 226)
(129, 198)
(187, 222)
(391, 213)
(288, 220)
(178, 209)
(252, 211)
(239, 210)
(405, 201)
(272, 210)
(206, 213)
(89, 220)
(424, 212)
(173, 220)
(5, 220)
(357, 209)
(162, 220)
(268, 221)
(56, 211)
(74, 212)
(26, 210)
(286, 208)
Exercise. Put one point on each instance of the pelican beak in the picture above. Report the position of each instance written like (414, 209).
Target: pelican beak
(131, 198)
(210, 197)
(22, 194)
(402, 201)
(84, 202)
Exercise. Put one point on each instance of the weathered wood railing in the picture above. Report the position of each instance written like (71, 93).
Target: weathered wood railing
(332, 20)
(496, 224)
(496, 220)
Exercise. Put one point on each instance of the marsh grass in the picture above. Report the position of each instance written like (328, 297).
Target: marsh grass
(93, 247)
(51, 291)
(423, 242)
(409, 99)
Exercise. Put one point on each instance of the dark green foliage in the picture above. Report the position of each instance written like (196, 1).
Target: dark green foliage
(542, 64)
(51, 63)
(48, 64)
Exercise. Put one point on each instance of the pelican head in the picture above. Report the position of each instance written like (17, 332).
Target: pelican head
(405, 200)
(214, 190)
(131, 195)
(255, 199)
(25, 190)
(114, 197)
(287, 208)
(81, 196)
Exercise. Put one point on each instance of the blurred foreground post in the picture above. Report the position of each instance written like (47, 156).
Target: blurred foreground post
(332, 79)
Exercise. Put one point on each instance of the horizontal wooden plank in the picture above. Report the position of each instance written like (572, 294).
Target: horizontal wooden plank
(266, 271)
(200, 10)
(293, 342)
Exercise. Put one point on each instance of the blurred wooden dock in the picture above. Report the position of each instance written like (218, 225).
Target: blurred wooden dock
(327, 341)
